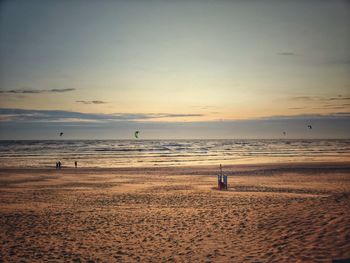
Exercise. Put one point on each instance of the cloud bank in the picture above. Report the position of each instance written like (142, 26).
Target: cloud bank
(318, 98)
(286, 53)
(22, 115)
(33, 91)
(40, 124)
(91, 101)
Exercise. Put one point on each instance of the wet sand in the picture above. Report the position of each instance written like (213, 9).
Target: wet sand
(270, 213)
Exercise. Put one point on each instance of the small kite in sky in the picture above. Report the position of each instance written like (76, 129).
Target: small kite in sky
(284, 133)
(310, 127)
(136, 134)
(61, 133)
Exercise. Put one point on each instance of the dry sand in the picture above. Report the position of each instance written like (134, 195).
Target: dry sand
(270, 213)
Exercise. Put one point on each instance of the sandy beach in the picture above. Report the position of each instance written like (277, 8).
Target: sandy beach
(270, 213)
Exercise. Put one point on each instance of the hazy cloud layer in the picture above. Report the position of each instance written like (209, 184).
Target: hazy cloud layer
(338, 103)
(21, 115)
(304, 98)
(340, 98)
(32, 91)
(286, 53)
(318, 98)
(324, 126)
(91, 101)
(296, 108)
(335, 115)
(320, 103)
(342, 61)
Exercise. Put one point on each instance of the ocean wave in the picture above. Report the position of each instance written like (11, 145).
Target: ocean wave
(120, 153)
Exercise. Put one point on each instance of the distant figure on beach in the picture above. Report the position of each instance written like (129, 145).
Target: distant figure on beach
(56, 165)
(76, 164)
(59, 164)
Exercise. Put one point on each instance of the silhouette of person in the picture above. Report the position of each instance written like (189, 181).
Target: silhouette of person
(76, 164)
(56, 165)
(59, 164)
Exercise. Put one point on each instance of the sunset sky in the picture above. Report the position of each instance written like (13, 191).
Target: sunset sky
(213, 69)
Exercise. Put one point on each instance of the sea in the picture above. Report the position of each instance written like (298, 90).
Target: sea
(153, 153)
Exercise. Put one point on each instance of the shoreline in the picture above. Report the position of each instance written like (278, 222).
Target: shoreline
(274, 166)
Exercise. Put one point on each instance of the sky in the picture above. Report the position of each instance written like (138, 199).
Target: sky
(174, 69)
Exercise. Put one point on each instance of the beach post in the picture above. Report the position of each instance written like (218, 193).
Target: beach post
(222, 180)
(219, 181)
(225, 182)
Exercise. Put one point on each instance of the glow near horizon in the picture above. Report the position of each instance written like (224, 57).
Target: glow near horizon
(225, 60)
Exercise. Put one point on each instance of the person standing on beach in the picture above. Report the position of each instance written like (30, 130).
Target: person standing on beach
(76, 164)
(59, 164)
